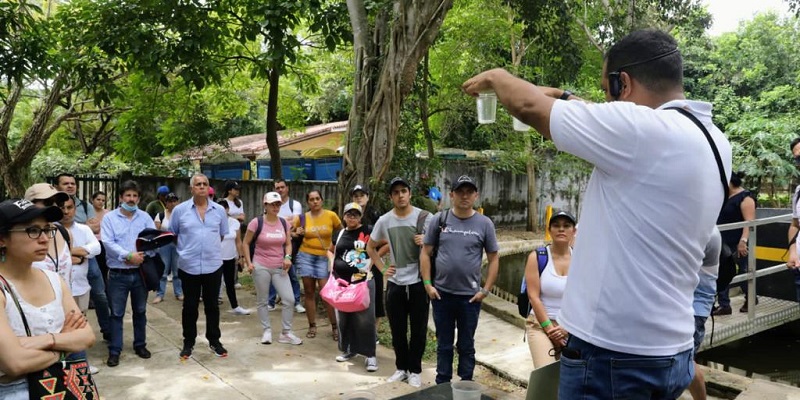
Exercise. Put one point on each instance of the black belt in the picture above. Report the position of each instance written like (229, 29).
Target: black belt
(125, 270)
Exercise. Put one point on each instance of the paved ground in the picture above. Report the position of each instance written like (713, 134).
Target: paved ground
(307, 371)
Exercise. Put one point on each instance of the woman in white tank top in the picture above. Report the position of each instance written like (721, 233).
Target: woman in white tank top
(56, 324)
(545, 336)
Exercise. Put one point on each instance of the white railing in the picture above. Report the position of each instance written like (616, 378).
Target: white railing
(751, 274)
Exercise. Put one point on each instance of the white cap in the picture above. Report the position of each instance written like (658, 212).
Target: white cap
(272, 197)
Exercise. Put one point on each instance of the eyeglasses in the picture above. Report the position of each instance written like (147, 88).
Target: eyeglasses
(352, 216)
(34, 232)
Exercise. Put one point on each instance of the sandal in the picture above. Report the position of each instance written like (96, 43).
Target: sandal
(335, 332)
(312, 331)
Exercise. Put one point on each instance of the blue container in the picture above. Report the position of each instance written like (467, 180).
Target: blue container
(292, 169)
(326, 169)
(264, 169)
(226, 171)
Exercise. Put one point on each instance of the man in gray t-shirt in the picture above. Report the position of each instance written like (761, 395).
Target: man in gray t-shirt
(455, 289)
(406, 301)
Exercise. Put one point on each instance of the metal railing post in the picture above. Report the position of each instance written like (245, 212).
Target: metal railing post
(751, 270)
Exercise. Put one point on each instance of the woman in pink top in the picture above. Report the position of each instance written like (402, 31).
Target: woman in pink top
(269, 262)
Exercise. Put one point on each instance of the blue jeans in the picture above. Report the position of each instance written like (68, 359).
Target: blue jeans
(589, 372)
(796, 273)
(295, 288)
(169, 254)
(120, 284)
(450, 312)
(99, 298)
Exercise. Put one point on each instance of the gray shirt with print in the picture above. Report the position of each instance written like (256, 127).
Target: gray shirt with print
(403, 253)
(461, 246)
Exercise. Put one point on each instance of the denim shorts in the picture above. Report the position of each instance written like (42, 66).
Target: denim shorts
(699, 331)
(17, 390)
(309, 265)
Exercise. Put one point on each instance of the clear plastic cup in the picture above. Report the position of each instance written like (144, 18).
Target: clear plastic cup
(520, 126)
(466, 390)
(359, 395)
(487, 107)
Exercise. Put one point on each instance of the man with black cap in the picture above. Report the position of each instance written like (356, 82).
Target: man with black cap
(405, 296)
(455, 291)
(159, 204)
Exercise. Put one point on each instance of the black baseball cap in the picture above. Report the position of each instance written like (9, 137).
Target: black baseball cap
(464, 180)
(563, 214)
(398, 181)
(359, 188)
(15, 211)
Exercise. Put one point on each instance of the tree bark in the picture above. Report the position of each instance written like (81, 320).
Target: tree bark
(272, 124)
(424, 114)
(533, 194)
(383, 78)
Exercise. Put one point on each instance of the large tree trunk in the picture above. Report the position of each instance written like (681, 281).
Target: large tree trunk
(272, 125)
(386, 64)
(14, 166)
(533, 194)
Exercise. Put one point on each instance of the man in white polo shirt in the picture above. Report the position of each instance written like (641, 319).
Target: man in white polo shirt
(649, 210)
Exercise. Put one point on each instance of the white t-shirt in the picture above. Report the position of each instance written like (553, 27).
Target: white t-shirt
(229, 240)
(649, 209)
(234, 210)
(551, 287)
(288, 213)
(82, 236)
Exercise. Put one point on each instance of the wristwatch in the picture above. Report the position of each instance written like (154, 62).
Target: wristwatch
(484, 291)
(565, 95)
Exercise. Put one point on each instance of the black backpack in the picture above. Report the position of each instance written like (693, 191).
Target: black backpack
(523, 303)
(423, 215)
(260, 220)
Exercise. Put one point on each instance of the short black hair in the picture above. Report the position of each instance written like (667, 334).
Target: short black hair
(660, 74)
(63, 174)
(129, 185)
(98, 193)
(279, 180)
(736, 178)
(794, 143)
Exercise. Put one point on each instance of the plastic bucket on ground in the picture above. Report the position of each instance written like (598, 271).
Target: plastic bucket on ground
(466, 390)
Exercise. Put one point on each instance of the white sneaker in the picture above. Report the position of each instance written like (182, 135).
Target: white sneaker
(237, 285)
(344, 357)
(240, 311)
(398, 376)
(169, 278)
(289, 338)
(266, 338)
(94, 370)
(270, 308)
(372, 364)
(414, 380)
(299, 308)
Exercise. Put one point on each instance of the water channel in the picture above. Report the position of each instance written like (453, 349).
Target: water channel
(771, 355)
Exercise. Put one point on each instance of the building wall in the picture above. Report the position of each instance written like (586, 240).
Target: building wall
(332, 140)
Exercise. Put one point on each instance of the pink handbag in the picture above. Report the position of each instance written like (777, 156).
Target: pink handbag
(345, 296)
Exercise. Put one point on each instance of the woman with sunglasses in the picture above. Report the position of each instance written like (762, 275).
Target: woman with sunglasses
(55, 323)
(545, 290)
(269, 260)
(318, 226)
(349, 261)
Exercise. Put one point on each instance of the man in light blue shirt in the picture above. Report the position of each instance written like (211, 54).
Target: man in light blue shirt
(200, 225)
(119, 231)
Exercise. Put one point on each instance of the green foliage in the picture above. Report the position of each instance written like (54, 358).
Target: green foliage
(99, 164)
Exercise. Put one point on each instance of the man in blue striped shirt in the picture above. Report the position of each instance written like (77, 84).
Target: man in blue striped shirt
(200, 225)
(119, 231)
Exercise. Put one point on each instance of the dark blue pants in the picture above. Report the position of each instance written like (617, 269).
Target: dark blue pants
(99, 298)
(450, 313)
(589, 372)
(723, 296)
(295, 288)
(120, 284)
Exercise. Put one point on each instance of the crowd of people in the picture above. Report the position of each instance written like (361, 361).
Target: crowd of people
(644, 249)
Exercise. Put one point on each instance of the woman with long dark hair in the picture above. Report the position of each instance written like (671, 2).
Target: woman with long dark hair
(318, 226)
(740, 207)
(56, 324)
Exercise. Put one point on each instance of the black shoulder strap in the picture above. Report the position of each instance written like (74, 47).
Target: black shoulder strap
(260, 220)
(722, 175)
(442, 225)
(64, 233)
(291, 205)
